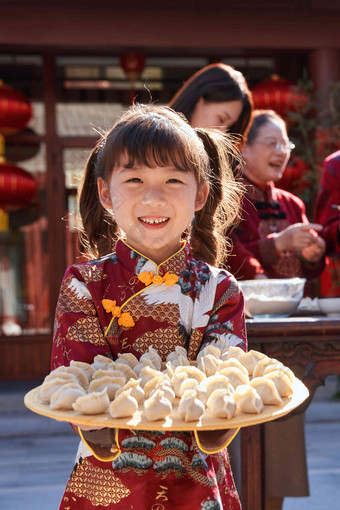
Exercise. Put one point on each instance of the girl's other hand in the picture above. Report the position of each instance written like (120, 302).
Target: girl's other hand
(86, 428)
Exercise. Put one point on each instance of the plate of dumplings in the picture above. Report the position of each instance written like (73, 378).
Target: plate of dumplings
(224, 387)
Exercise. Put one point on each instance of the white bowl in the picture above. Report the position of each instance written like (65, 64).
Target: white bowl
(276, 297)
(330, 306)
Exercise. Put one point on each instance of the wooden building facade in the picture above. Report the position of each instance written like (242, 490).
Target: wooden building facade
(68, 60)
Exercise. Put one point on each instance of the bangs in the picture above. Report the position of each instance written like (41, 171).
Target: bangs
(155, 140)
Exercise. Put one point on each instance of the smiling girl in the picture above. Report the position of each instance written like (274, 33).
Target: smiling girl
(152, 199)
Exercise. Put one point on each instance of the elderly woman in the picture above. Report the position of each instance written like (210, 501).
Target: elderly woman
(274, 231)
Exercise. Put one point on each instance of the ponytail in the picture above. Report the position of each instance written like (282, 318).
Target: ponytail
(99, 231)
(222, 209)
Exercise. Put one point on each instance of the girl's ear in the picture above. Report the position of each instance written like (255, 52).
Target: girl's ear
(201, 196)
(104, 193)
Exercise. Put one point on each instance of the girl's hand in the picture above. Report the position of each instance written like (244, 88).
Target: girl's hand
(86, 428)
(296, 237)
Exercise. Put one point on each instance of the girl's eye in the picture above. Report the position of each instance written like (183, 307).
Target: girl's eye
(134, 179)
(174, 181)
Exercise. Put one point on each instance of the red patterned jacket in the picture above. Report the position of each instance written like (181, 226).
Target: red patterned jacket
(266, 211)
(155, 470)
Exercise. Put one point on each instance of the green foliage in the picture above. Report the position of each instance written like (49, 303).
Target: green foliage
(315, 130)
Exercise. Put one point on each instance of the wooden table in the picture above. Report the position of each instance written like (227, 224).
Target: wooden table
(311, 347)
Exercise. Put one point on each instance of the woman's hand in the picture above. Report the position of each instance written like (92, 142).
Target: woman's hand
(314, 251)
(297, 237)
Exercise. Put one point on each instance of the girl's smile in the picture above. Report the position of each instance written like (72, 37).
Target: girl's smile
(154, 222)
(153, 206)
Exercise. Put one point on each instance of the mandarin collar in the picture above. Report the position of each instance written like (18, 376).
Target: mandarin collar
(138, 263)
(258, 194)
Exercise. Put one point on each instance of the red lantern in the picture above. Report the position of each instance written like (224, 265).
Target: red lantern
(295, 176)
(15, 110)
(17, 187)
(279, 95)
(21, 146)
(133, 64)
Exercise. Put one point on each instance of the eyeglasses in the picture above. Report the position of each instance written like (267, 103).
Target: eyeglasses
(275, 145)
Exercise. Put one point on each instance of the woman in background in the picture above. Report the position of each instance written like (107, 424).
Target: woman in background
(217, 96)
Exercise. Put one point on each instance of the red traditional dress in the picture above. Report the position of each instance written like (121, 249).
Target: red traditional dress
(267, 211)
(155, 470)
(326, 215)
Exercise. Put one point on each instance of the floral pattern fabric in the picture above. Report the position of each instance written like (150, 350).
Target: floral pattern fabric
(155, 470)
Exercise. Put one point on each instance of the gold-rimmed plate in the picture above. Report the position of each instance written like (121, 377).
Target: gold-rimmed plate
(173, 422)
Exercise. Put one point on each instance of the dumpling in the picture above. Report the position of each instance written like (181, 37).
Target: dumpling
(282, 382)
(142, 364)
(77, 372)
(103, 362)
(149, 373)
(232, 362)
(85, 367)
(170, 369)
(188, 384)
(263, 363)
(111, 384)
(64, 397)
(124, 405)
(190, 408)
(153, 383)
(117, 374)
(250, 359)
(233, 352)
(61, 375)
(157, 406)
(178, 357)
(167, 390)
(221, 404)
(214, 382)
(128, 358)
(93, 403)
(247, 399)
(209, 349)
(235, 376)
(51, 386)
(177, 381)
(126, 369)
(153, 356)
(208, 364)
(137, 391)
(286, 370)
(192, 372)
(267, 390)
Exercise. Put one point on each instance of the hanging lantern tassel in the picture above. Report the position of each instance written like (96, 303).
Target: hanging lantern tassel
(4, 221)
